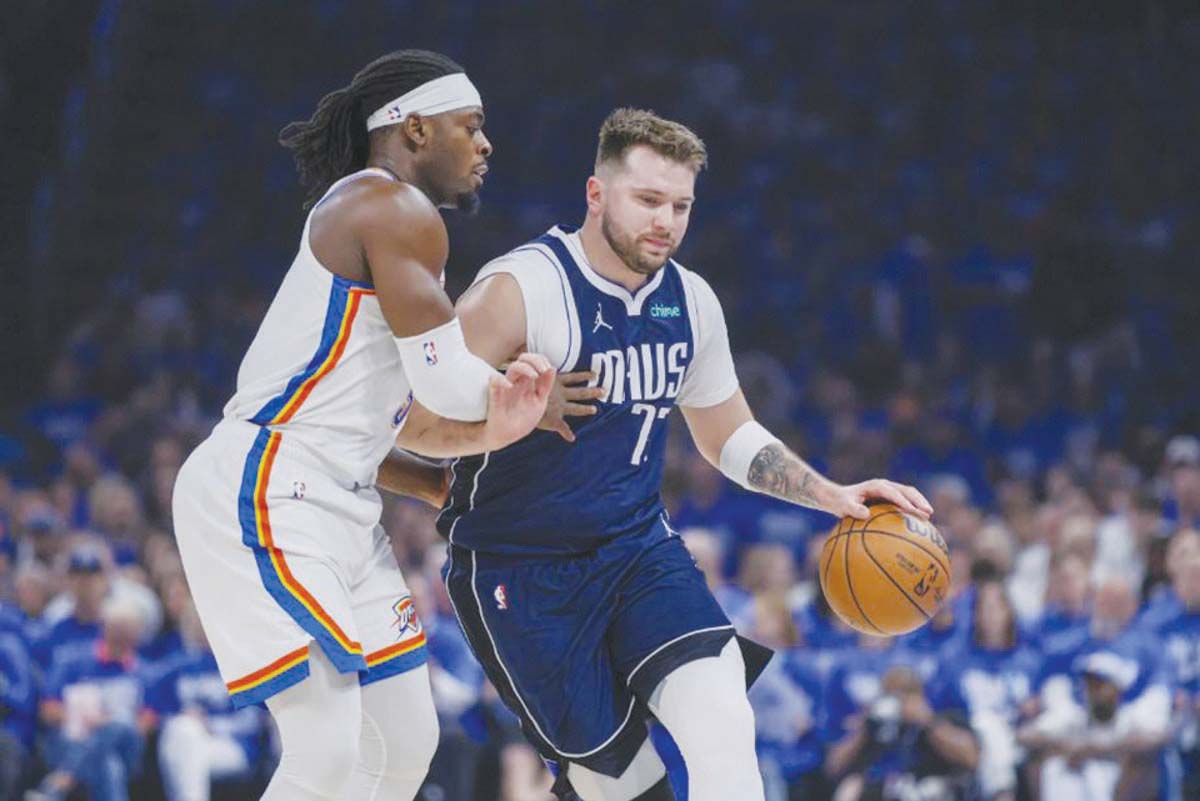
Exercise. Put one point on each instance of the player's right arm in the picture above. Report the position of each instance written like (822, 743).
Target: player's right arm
(405, 246)
(727, 435)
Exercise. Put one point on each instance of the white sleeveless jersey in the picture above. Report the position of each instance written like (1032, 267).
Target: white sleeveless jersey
(324, 369)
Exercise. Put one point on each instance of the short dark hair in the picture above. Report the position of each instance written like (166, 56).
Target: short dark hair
(627, 128)
(333, 142)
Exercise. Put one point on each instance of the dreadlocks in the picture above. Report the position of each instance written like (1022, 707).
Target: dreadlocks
(333, 143)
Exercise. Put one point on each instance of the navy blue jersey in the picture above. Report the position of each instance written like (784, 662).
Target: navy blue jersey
(545, 496)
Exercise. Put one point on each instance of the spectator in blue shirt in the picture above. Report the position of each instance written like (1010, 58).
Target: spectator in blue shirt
(204, 739)
(991, 678)
(902, 748)
(788, 705)
(87, 585)
(1163, 602)
(18, 701)
(1180, 636)
(93, 709)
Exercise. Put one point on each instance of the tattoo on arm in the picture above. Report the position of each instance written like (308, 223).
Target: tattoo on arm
(779, 472)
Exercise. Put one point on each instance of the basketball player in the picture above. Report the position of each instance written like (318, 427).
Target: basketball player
(276, 513)
(575, 594)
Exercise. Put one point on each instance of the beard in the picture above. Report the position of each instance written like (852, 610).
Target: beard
(468, 203)
(626, 247)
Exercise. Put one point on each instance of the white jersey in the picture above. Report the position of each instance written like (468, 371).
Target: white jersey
(324, 368)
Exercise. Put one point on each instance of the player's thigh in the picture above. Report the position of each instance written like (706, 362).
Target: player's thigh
(265, 565)
(645, 773)
(667, 617)
(538, 628)
(385, 613)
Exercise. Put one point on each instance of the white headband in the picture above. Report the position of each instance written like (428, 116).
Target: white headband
(446, 93)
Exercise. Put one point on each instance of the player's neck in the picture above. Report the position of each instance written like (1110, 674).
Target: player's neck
(605, 261)
(403, 171)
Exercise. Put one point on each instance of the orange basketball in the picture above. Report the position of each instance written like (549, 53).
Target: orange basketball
(887, 574)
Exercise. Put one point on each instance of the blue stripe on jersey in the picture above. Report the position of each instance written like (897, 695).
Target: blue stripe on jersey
(544, 496)
(339, 293)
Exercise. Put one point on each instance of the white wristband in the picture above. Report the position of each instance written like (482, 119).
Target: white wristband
(446, 378)
(739, 451)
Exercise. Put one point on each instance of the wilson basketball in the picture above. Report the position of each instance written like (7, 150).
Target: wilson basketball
(887, 574)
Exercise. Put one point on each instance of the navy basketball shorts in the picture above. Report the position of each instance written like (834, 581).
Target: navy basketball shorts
(576, 645)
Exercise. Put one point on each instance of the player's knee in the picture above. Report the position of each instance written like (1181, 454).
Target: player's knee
(400, 715)
(411, 745)
(323, 764)
(319, 732)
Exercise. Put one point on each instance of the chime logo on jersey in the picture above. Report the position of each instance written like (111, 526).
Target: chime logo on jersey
(501, 596)
(406, 617)
(640, 373)
(430, 352)
(659, 310)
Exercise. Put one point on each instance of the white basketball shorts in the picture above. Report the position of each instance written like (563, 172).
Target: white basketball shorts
(277, 555)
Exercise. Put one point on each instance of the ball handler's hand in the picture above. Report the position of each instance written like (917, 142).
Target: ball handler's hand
(851, 500)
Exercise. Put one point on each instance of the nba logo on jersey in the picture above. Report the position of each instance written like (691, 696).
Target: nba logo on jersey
(402, 412)
(406, 616)
(430, 353)
(501, 596)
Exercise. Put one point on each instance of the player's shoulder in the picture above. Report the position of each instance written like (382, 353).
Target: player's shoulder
(530, 262)
(376, 203)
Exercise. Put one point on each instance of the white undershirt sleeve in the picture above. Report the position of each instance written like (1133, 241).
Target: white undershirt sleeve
(551, 327)
(711, 377)
(446, 378)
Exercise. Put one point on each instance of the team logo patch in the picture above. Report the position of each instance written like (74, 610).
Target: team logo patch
(430, 352)
(402, 412)
(501, 596)
(406, 618)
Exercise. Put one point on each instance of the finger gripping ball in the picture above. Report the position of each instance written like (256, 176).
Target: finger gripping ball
(885, 575)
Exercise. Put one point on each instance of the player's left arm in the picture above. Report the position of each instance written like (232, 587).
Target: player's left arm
(404, 474)
(493, 317)
(728, 436)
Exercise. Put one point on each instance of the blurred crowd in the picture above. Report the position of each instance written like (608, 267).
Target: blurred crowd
(956, 248)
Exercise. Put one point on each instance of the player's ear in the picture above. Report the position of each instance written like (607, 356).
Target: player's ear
(417, 129)
(595, 195)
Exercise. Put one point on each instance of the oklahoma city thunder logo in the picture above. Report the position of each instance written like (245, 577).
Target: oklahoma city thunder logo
(406, 618)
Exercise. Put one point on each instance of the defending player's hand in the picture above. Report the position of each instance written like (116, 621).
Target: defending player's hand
(851, 500)
(517, 400)
(567, 400)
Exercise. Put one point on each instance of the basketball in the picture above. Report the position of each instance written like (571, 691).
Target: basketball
(885, 575)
